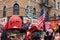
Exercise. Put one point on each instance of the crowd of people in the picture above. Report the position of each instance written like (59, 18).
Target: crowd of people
(20, 34)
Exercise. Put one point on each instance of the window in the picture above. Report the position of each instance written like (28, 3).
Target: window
(30, 11)
(54, 16)
(47, 15)
(16, 9)
(4, 11)
(59, 5)
(42, 1)
(34, 11)
(47, 1)
(54, 4)
(29, 8)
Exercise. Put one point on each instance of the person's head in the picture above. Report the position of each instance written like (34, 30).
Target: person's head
(36, 36)
(42, 37)
(15, 34)
(57, 34)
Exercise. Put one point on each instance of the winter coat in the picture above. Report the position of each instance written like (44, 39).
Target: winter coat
(4, 35)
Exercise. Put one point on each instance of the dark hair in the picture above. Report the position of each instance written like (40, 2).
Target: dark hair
(36, 36)
(4, 35)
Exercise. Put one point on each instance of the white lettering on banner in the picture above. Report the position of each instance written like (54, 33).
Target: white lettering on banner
(35, 21)
(47, 25)
(3, 20)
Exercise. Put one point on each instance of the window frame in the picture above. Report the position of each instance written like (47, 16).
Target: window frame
(54, 4)
(34, 11)
(4, 11)
(16, 9)
(54, 16)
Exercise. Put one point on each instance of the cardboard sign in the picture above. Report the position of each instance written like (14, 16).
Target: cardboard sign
(3, 20)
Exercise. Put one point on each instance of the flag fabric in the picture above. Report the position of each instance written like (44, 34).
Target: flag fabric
(41, 18)
(28, 8)
(31, 15)
(28, 14)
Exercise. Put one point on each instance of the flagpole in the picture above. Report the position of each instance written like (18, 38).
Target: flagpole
(29, 9)
(29, 5)
(44, 19)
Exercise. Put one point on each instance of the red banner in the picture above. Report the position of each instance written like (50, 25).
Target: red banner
(52, 24)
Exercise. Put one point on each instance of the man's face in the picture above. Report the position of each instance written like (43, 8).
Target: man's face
(12, 38)
(15, 35)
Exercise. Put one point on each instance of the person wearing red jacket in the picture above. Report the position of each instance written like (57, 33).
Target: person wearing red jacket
(13, 27)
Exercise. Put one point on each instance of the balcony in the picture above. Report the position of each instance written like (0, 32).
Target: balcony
(49, 4)
(46, 3)
(42, 2)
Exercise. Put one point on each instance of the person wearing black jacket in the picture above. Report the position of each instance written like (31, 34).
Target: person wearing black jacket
(2, 33)
(36, 36)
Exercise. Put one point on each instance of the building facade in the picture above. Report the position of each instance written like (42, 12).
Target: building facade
(18, 7)
(55, 10)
